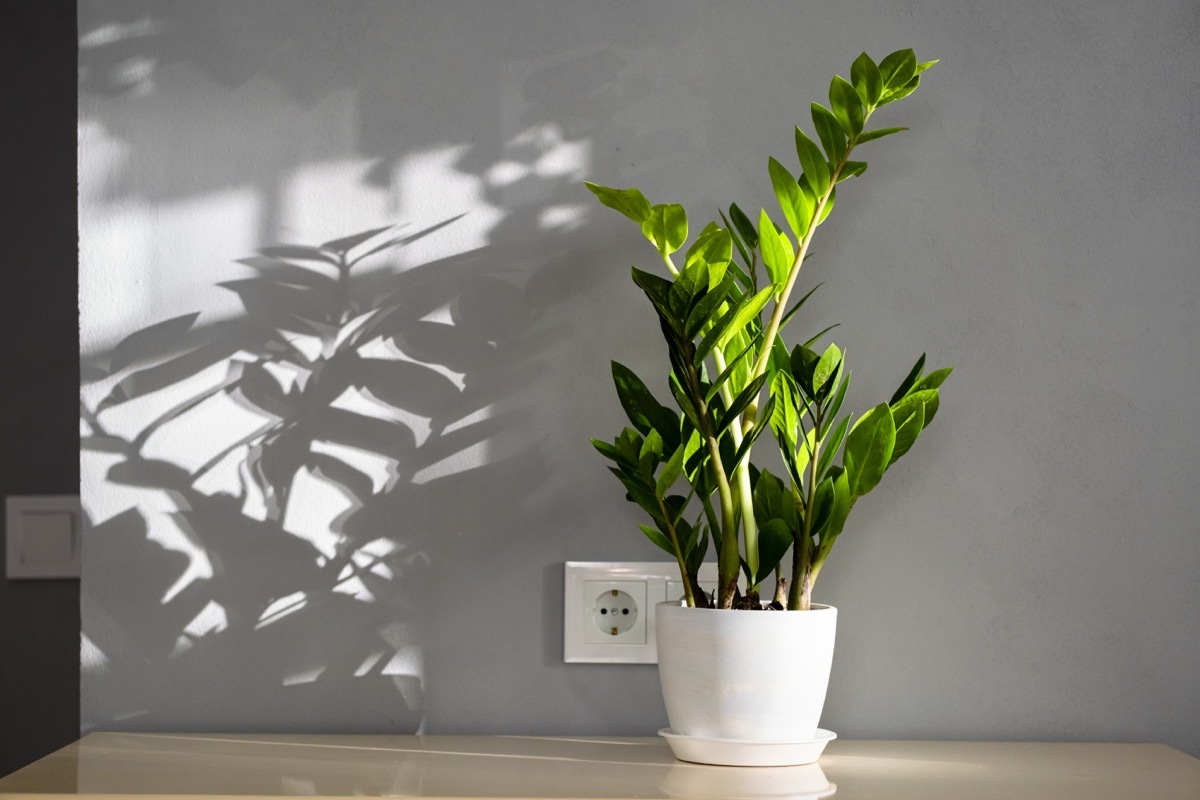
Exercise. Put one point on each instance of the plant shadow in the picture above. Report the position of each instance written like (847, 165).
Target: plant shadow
(280, 488)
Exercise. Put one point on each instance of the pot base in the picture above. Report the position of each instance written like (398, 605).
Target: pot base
(739, 753)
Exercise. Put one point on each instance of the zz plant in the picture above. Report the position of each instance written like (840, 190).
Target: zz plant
(732, 377)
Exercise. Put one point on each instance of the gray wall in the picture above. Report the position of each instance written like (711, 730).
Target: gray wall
(1030, 573)
(39, 446)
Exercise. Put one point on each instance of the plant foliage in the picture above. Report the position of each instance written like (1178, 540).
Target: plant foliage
(732, 377)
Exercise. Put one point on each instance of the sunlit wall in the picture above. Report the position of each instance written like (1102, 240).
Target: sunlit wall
(347, 314)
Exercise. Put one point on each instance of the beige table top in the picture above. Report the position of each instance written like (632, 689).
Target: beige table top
(225, 766)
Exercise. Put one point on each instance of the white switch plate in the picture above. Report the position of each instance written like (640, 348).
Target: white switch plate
(42, 534)
(587, 633)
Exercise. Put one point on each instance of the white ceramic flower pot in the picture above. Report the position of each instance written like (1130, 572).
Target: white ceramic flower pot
(745, 675)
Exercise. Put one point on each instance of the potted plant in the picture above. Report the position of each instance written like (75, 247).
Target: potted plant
(722, 310)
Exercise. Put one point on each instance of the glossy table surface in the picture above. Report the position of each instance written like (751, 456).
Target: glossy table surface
(214, 765)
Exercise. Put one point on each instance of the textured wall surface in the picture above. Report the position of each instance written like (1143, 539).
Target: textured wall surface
(334, 497)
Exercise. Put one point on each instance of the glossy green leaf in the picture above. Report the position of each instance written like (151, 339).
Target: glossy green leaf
(909, 380)
(652, 445)
(902, 92)
(829, 447)
(829, 131)
(867, 81)
(786, 417)
(777, 252)
(643, 410)
(812, 161)
(658, 290)
(733, 320)
(670, 472)
(708, 309)
(878, 133)
(761, 423)
(843, 501)
(835, 405)
(852, 169)
(715, 248)
(823, 502)
(747, 396)
(897, 69)
(828, 208)
(924, 65)
(608, 450)
(629, 202)
(666, 226)
(868, 449)
(804, 362)
(846, 105)
(909, 415)
(732, 366)
(659, 538)
(794, 204)
(774, 539)
(745, 227)
(829, 363)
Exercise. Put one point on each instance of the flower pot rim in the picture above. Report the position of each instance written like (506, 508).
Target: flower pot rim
(679, 604)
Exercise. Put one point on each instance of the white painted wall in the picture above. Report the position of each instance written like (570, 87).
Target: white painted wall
(1029, 573)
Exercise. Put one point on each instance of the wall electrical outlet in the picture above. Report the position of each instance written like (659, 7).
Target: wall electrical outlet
(608, 608)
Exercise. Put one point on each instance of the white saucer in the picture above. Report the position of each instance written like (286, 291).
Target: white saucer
(742, 753)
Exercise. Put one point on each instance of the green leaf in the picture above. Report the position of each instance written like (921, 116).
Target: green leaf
(933, 380)
(658, 290)
(786, 417)
(924, 65)
(831, 410)
(707, 309)
(812, 161)
(829, 131)
(830, 446)
(745, 228)
(659, 538)
(869, 449)
(652, 446)
(671, 471)
(688, 289)
(823, 503)
(804, 362)
(608, 450)
(909, 415)
(829, 362)
(739, 404)
(878, 133)
(666, 227)
(731, 366)
(646, 413)
(828, 209)
(792, 201)
(897, 69)
(852, 169)
(629, 202)
(846, 105)
(909, 380)
(868, 82)
(902, 92)
(777, 252)
(843, 501)
(714, 247)
(774, 539)
(765, 414)
(733, 321)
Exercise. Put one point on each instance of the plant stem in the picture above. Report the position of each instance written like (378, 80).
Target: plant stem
(687, 584)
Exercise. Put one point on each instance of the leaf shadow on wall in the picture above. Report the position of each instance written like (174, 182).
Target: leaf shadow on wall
(273, 483)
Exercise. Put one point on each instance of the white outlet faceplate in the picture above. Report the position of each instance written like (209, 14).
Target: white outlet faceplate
(602, 628)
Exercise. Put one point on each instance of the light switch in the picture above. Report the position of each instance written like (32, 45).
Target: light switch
(43, 536)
